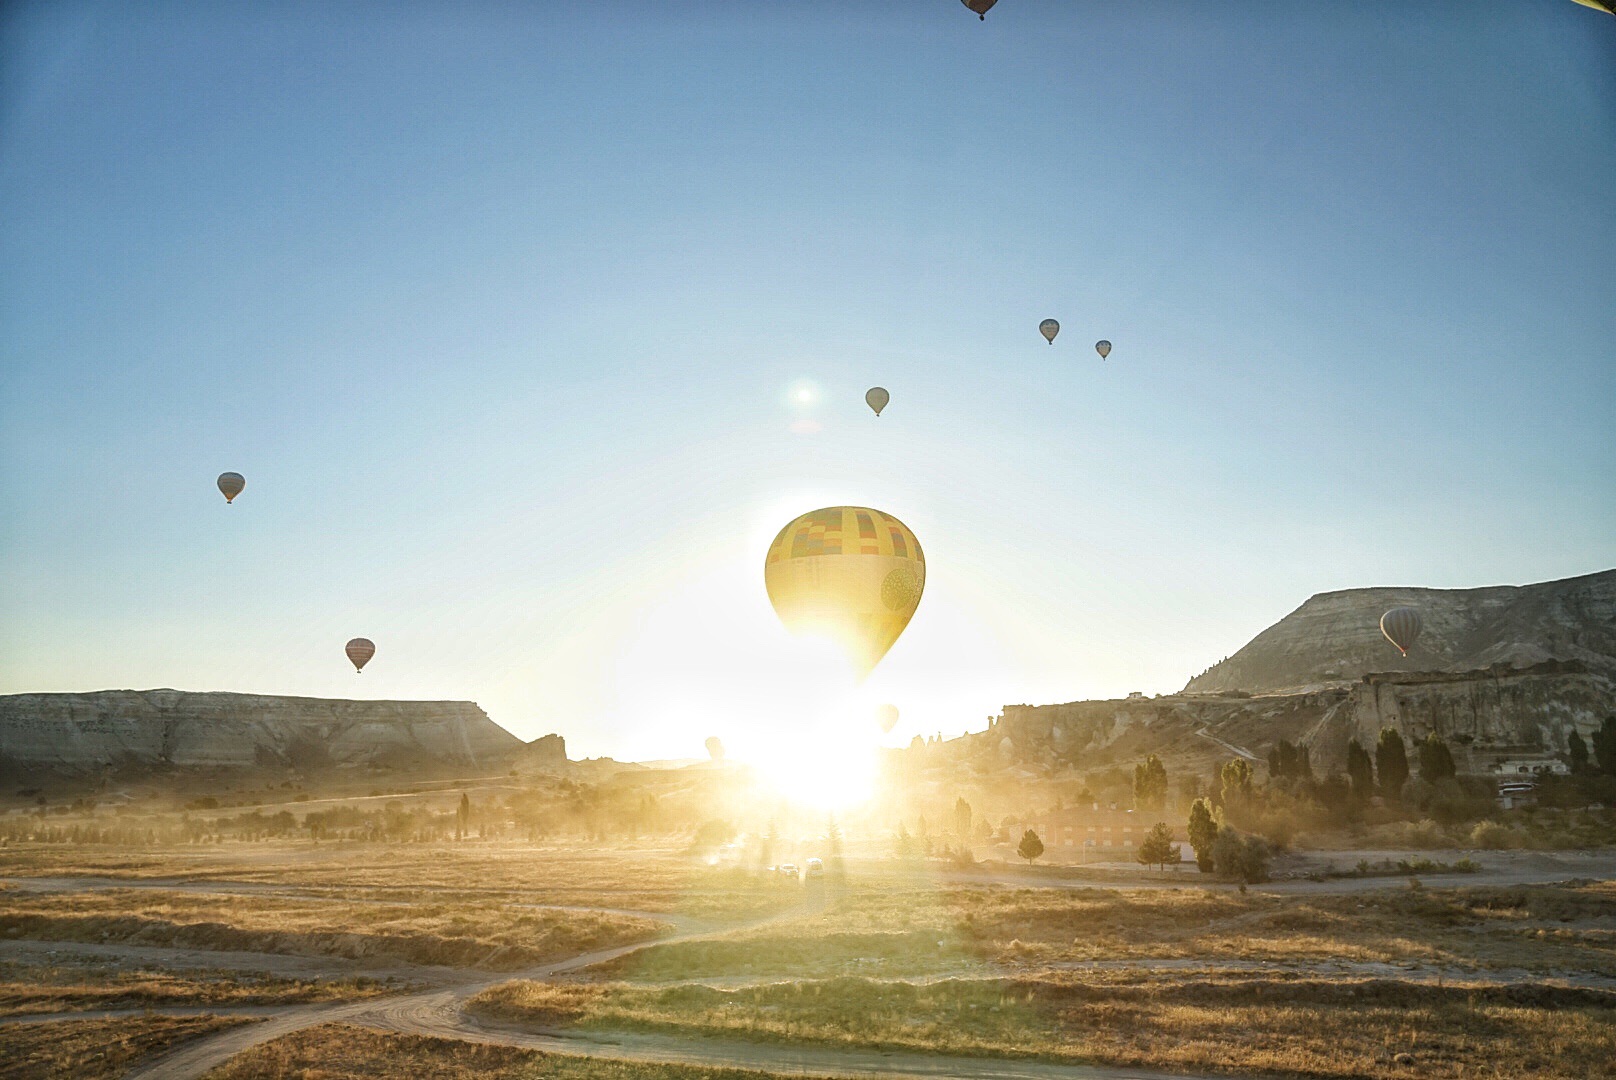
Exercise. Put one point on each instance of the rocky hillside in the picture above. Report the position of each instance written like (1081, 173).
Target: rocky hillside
(143, 732)
(1486, 716)
(1335, 637)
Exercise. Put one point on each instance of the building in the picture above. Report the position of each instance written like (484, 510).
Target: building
(1092, 833)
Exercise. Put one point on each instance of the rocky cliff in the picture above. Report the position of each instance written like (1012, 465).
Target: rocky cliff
(1486, 716)
(144, 731)
(1335, 637)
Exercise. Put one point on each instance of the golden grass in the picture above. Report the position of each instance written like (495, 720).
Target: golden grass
(489, 933)
(344, 1052)
(1562, 928)
(1216, 1021)
(577, 875)
(48, 988)
(96, 1049)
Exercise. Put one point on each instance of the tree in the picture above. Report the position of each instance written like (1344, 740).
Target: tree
(1203, 833)
(462, 816)
(1334, 793)
(1391, 762)
(1360, 772)
(1436, 760)
(962, 819)
(1605, 746)
(1158, 848)
(1237, 790)
(1242, 858)
(1150, 784)
(1030, 847)
(1578, 751)
(1289, 762)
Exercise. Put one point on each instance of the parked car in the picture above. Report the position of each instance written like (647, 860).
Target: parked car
(789, 871)
(816, 868)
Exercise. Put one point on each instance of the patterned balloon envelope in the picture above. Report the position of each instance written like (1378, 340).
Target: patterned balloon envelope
(1402, 626)
(359, 651)
(231, 485)
(848, 573)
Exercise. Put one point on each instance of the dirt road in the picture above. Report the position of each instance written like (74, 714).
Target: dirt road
(440, 1012)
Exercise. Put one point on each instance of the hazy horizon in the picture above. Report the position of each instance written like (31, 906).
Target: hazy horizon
(528, 331)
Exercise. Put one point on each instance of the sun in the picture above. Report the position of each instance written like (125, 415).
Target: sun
(827, 763)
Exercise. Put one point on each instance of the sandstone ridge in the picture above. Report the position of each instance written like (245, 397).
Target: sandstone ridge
(1335, 638)
(153, 731)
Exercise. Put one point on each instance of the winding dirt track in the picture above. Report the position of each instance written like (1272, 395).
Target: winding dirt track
(439, 1012)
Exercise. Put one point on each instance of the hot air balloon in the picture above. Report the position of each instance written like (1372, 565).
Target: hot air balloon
(982, 7)
(230, 484)
(876, 398)
(1598, 5)
(1103, 348)
(715, 747)
(1401, 625)
(1049, 328)
(849, 573)
(887, 717)
(359, 651)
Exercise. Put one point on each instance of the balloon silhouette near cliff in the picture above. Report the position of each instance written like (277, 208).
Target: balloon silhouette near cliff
(359, 651)
(1402, 626)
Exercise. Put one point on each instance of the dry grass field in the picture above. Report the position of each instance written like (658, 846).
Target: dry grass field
(345, 1052)
(433, 941)
(30, 988)
(650, 879)
(96, 1049)
(1213, 1020)
(452, 931)
(909, 931)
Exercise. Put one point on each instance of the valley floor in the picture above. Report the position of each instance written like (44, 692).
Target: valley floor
(506, 960)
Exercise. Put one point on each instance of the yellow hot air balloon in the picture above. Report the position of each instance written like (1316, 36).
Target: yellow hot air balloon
(887, 717)
(848, 573)
(359, 651)
(230, 485)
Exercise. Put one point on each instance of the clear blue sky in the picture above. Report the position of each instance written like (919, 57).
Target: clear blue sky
(499, 308)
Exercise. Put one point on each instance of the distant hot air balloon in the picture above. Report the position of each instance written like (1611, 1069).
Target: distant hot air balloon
(1608, 7)
(359, 651)
(231, 483)
(1401, 625)
(982, 7)
(715, 747)
(1049, 328)
(848, 573)
(1103, 348)
(876, 398)
(887, 717)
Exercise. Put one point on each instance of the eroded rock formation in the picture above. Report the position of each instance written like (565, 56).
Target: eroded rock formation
(1335, 637)
(158, 730)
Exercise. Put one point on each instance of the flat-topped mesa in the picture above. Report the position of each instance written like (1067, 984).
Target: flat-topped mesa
(165, 730)
(1335, 637)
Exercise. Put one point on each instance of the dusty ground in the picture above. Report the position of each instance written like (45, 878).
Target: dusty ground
(659, 958)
